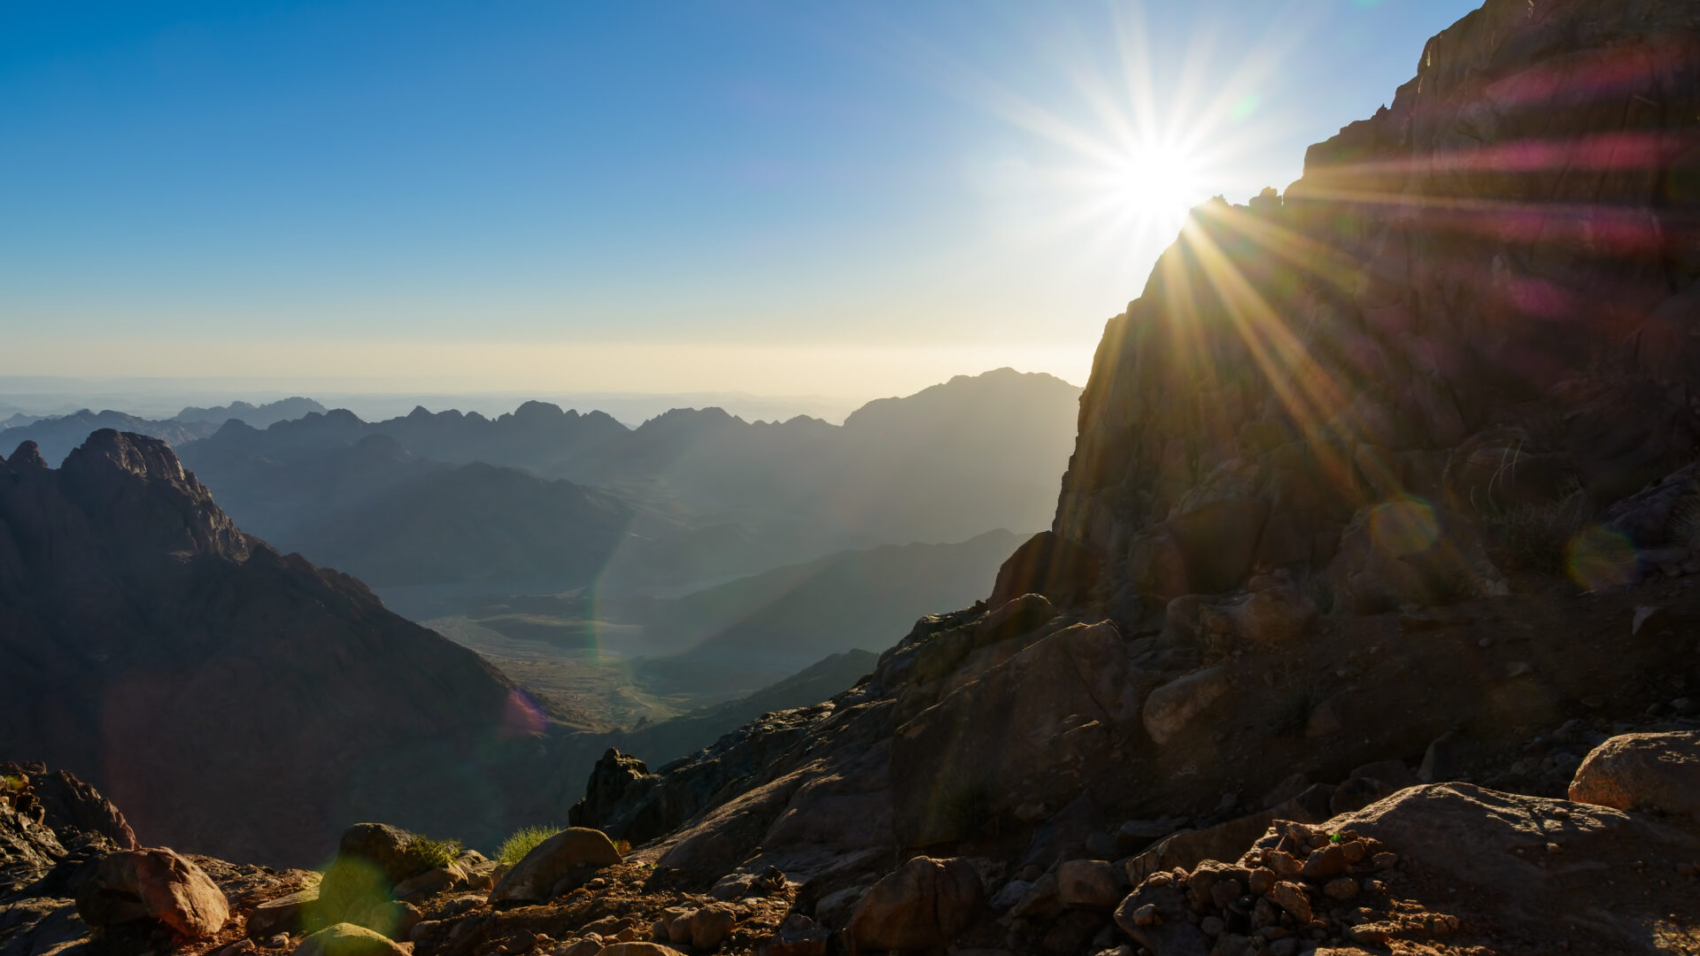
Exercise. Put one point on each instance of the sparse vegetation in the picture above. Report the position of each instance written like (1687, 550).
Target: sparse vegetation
(524, 840)
(622, 847)
(1536, 536)
(431, 854)
(13, 782)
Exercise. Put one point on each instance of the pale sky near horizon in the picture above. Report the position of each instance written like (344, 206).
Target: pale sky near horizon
(845, 199)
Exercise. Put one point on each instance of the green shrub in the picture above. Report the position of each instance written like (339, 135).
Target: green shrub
(13, 783)
(523, 841)
(428, 854)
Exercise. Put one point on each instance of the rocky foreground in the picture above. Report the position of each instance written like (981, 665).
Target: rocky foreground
(1434, 868)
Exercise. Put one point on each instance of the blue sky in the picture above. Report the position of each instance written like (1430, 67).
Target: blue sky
(843, 198)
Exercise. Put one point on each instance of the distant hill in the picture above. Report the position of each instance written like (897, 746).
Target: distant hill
(55, 437)
(667, 740)
(751, 632)
(472, 525)
(259, 416)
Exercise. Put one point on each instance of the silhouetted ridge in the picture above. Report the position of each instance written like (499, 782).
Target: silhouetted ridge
(141, 631)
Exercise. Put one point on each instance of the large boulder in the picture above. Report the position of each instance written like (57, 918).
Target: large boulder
(571, 856)
(1515, 862)
(923, 904)
(358, 886)
(385, 847)
(1171, 708)
(153, 884)
(1658, 772)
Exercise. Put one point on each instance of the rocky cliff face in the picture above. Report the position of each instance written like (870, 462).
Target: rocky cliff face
(234, 700)
(1341, 473)
(1483, 297)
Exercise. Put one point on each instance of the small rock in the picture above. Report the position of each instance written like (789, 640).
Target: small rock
(640, 949)
(1291, 897)
(1225, 892)
(1341, 888)
(1327, 862)
(1384, 861)
(1146, 915)
(1089, 884)
(1212, 926)
(1011, 894)
(1369, 934)
(678, 922)
(711, 925)
(1263, 879)
(1285, 865)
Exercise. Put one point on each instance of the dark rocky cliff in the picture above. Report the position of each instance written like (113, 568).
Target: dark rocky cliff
(1485, 296)
(233, 699)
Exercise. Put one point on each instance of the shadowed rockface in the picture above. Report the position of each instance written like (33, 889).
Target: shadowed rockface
(234, 700)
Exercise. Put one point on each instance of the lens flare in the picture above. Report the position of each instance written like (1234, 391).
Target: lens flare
(1600, 558)
(1401, 528)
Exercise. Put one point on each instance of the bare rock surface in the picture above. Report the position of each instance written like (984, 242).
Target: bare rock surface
(921, 905)
(1652, 772)
(155, 884)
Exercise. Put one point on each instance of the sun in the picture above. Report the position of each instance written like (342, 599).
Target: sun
(1156, 186)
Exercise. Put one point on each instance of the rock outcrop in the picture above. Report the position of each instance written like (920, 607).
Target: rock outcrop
(1470, 304)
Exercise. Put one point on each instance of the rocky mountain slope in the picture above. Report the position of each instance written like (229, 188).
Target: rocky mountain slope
(235, 700)
(749, 632)
(1387, 480)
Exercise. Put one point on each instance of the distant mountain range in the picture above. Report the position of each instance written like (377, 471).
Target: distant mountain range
(259, 416)
(707, 496)
(56, 435)
(751, 632)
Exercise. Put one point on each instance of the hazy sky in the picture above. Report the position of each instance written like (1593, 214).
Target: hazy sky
(838, 198)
